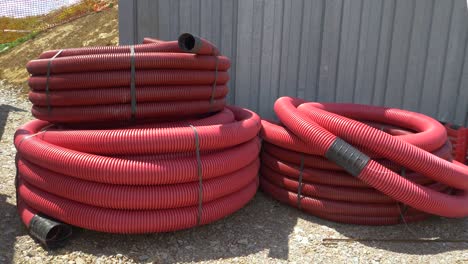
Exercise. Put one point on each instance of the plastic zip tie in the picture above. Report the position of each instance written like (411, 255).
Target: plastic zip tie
(200, 175)
(299, 188)
(132, 81)
(401, 206)
(49, 64)
(213, 89)
(43, 130)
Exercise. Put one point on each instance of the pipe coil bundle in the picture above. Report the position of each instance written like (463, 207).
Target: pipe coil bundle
(164, 80)
(361, 164)
(182, 159)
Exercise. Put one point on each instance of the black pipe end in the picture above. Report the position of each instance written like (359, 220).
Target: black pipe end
(50, 233)
(189, 43)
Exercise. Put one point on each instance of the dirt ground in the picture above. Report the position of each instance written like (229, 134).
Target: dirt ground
(262, 232)
(96, 29)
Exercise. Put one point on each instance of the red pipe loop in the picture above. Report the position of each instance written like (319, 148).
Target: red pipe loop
(134, 139)
(135, 197)
(406, 141)
(172, 138)
(161, 80)
(143, 166)
(136, 184)
(130, 221)
(120, 95)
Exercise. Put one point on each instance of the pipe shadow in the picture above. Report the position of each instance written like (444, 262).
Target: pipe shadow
(428, 237)
(11, 227)
(432, 236)
(263, 224)
(4, 111)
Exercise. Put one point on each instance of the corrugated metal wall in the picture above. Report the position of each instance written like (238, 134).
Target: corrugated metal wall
(406, 53)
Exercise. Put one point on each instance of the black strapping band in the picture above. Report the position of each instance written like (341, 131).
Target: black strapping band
(403, 172)
(132, 81)
(200, 175)
(213, 90)
(299, 188)
(401, 206)
(49, 64)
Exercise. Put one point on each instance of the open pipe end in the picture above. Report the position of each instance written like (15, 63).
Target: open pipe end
(189, 43)
(50, 233)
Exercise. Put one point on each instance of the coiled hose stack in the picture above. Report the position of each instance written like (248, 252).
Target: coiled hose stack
(361, 164)
(168, 79)
(171, 156)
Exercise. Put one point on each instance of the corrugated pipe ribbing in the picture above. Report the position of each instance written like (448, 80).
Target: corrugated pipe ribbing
(361, 164)
(133, 139)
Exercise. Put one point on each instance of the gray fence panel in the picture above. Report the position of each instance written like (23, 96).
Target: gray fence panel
(408, 54)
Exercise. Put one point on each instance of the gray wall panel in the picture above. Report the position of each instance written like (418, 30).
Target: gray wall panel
(417, 56)
(436, 55)
(409, 54)
(368, 48)
(349, 49)
(398, 57)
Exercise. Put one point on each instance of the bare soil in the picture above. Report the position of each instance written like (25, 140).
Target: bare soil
(95, 29)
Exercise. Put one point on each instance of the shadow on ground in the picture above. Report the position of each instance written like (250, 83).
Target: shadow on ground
(446, 235)
(265, 225)
(246, 232)
(4, 110)
(11, 227)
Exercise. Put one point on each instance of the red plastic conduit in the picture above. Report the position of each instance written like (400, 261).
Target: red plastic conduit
(172, 79)
(184, 159)
(403, 172)
(139, 179)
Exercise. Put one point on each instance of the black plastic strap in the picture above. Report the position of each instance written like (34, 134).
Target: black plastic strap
(347, 156)
(213, 90)
(49, 64)
(401, 206)
(200, 175)
(299, 188)
(132, 81)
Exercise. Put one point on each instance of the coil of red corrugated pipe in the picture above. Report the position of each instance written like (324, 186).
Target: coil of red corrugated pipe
(138, 180)
(136, 176)
(172, 79)
(361, 164)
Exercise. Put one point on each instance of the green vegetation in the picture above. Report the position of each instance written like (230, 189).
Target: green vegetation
(6, 46)
(39, 23)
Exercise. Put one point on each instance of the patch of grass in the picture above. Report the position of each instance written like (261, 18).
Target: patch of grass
(6, 46)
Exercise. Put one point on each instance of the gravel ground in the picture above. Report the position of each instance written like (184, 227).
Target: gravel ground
(264, 231)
